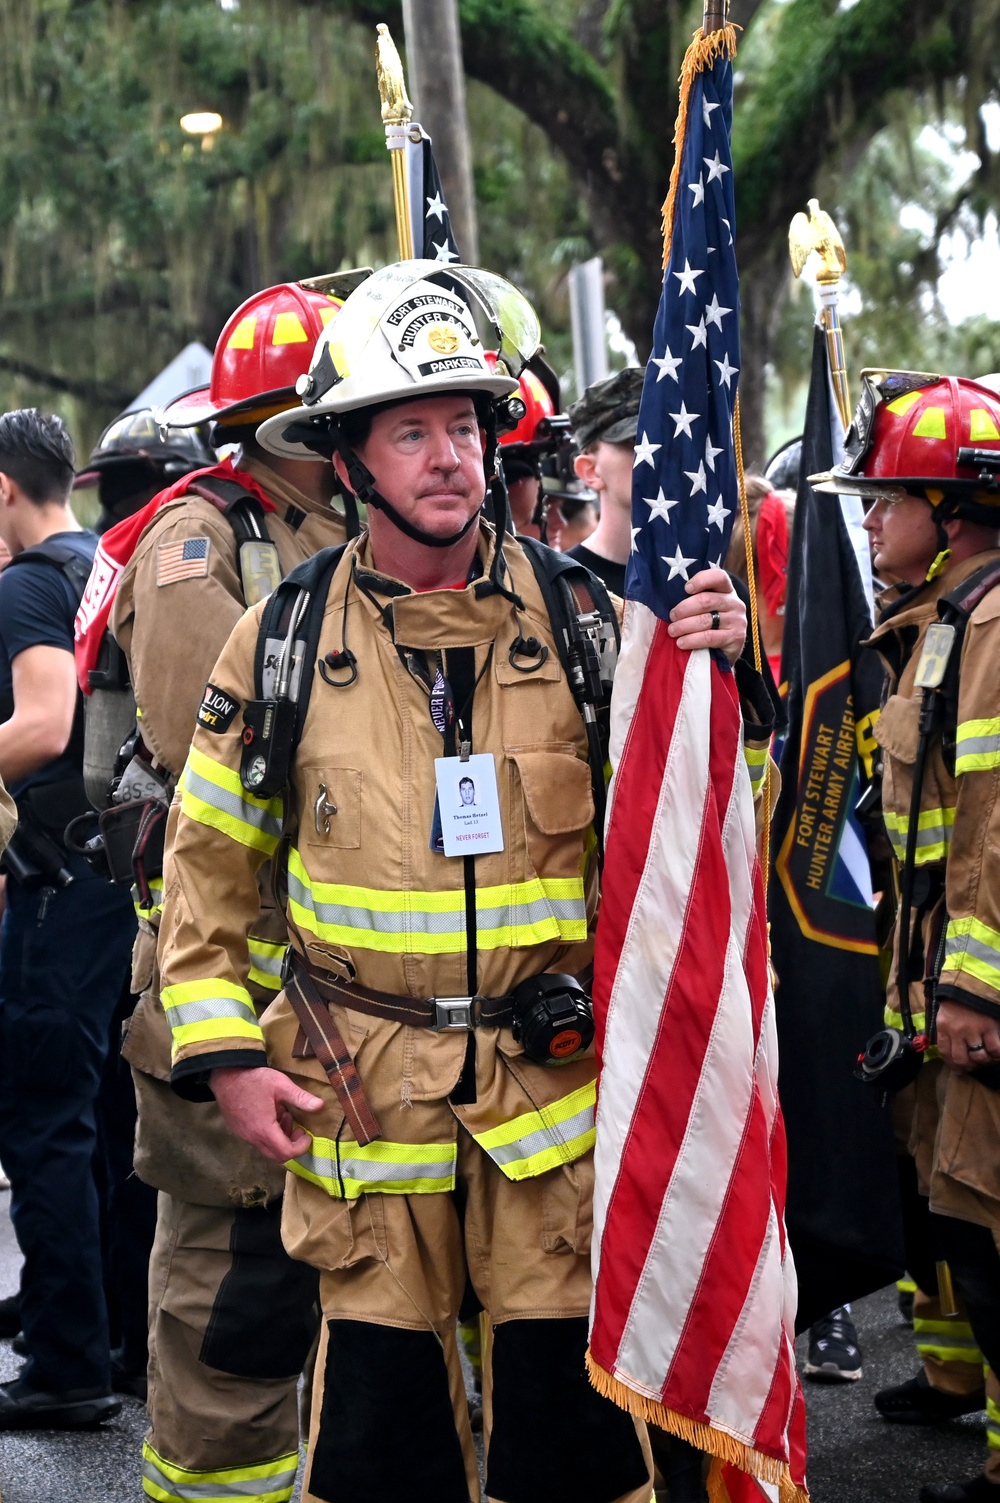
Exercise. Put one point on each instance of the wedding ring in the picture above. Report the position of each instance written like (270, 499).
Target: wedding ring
(716, 620)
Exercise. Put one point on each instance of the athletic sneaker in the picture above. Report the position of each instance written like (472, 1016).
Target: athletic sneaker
(834, 1355)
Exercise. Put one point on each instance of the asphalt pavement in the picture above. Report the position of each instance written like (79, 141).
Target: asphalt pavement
(854, 1457)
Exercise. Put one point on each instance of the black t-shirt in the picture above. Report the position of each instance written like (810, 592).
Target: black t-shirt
(37, 607)
(606, 569)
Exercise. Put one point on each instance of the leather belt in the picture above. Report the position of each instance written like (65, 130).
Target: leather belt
(320, 1035)
(442, 1014)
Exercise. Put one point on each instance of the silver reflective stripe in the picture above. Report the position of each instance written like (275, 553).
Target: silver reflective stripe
(518, 915)
(976, 746)
(416, 921)
(542, 1138)
(247, 1490)
(927, 1340)
(367, 1171)
(966, 944)
(207, 1009)
(931, 835)
(264, 960)
(230, 803)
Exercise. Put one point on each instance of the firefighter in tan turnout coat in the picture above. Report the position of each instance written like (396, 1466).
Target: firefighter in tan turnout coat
(435, 1161)
(233, 1318)
(925, 451)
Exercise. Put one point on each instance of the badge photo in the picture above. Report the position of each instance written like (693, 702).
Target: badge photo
(468, 804)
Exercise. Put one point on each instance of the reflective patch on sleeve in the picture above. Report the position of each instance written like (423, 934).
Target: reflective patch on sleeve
(217, 710)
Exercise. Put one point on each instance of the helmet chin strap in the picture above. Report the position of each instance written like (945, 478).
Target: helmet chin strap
(363, 485)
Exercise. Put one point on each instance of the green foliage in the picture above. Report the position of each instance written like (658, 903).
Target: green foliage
(121, 238)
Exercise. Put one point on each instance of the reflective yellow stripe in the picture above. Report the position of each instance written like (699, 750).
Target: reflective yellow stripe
(266, 959)
(151, 913)
(934, 828)
(266, 1482)
(977, 745)
(973, 949)
(543, 1139)
(946, 1340)
(433, 923)
(906, 1285)
(202, 1011)
(345, 1170)
(212, 794)
(756, 760)
(992, 1424)
(894, 1019)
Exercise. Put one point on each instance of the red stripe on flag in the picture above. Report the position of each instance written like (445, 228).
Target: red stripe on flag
(638, 779)
(726, 1278)
(673, 1074)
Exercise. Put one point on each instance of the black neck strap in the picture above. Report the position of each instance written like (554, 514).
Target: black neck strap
(363, 485)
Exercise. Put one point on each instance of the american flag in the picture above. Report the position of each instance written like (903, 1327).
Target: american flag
(433, 239)
(185, 559)
(694, 1299)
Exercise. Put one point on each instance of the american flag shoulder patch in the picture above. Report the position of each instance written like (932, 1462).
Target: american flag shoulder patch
(185, 559)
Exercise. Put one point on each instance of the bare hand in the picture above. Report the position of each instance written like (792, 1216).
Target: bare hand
(957, 1028)
(256, 1105)
(691, 621)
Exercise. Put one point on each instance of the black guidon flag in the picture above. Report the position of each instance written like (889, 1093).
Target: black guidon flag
(842, 1211)
(433, 239)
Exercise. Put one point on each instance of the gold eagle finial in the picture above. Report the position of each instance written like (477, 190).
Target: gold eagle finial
(817, 233)
(396, 106)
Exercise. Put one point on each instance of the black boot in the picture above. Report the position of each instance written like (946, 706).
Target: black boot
(976, 1490)
(917, 1403)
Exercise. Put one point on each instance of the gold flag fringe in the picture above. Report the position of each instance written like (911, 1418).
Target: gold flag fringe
(716, 1443)
(701, 54)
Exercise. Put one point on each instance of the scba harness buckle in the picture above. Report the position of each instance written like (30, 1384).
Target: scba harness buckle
(455, 1014)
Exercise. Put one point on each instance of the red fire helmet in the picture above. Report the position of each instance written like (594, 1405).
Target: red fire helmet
(265, 347)
(932, 436)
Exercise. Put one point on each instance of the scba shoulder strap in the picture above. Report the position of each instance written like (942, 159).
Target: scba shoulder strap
(584, 624)
(260, 568)
(287, 641)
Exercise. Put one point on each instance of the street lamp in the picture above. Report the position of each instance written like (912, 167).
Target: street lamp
(203, 123)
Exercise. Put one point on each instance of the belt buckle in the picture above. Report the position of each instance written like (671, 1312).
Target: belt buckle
(454, 1014)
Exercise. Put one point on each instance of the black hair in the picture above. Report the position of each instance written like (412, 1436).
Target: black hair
(36, 451)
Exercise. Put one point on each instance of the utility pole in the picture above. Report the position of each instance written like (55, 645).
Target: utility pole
(437, 84)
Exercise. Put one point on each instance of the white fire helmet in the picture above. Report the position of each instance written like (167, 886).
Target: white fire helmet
(408, 330)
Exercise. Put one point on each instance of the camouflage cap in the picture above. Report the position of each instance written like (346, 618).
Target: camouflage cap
(608, 411)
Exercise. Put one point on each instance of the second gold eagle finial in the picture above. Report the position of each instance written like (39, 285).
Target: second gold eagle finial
(817, 233)
(396, 106)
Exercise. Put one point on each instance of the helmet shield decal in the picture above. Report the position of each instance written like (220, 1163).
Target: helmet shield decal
(877, 386)
(412, 329)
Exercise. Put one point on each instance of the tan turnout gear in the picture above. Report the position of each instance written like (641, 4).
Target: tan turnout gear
(481, 1170)
(223, 1413)
(460, 1170)
(957, 844)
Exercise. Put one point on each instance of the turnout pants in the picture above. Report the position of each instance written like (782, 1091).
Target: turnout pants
(390, 1417)
(232, 1322)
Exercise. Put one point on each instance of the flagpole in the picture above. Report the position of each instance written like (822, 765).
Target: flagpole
(819, 233)
(397, 112)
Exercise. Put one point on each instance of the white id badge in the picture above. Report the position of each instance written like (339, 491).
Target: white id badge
(469, 804)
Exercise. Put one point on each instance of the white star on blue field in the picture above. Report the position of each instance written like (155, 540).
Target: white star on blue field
(684, 487)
